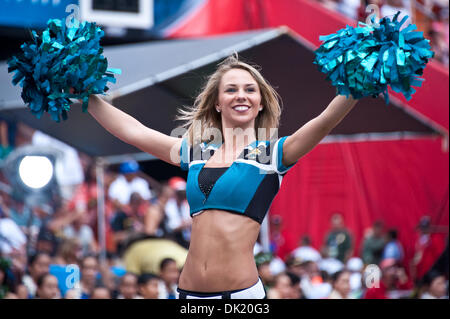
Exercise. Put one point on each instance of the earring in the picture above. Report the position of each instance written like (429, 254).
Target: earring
(218, 110)
(260, 109)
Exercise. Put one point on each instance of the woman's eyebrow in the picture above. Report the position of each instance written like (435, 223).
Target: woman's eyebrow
(232, 84)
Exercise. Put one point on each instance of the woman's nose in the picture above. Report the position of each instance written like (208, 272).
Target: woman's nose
(241, 95)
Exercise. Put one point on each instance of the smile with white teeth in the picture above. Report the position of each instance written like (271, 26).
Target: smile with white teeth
(241, 108)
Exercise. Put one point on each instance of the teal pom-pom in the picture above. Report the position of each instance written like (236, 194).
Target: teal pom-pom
(60, 59)
(365, 60)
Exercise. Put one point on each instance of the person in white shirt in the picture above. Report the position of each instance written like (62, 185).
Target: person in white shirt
(38, 265)
(435, 286)
(306, 252)
(11, 236)
(127, 183)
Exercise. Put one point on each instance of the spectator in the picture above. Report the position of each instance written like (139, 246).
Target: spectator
(89, 271)
(84, 204)
(149, 286)
(47, 242)
(101, 292)
(169, 274)
(295, 265)
(305, 251)
(69, 252)
(138, 208)
(429, 245)
(72, 294)
(338, 241)
(155, 221)
(355, 266)
(47, 287)
(314, 284)
(179, 220)
(127, 224)
(281, 241)
(393, 284)
(23, 216)
(330, 265)
(297, 292)
(11, 236)
(38, 265)
(262, 261)
(435, 286)
(80, 230)
(126, 183)
(393, 248)
(373, 244)
(341, 285)
(7, 137)
(7, 289)
(282, 288)
(277, 265)
(128, 288)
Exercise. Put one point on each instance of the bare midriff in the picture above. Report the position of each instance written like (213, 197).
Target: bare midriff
(220, 254)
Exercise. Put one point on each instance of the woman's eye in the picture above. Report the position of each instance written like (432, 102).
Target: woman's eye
(234, 90)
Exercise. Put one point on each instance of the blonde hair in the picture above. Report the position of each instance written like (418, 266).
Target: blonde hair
(204, 112)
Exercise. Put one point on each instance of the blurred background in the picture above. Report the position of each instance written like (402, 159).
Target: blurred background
(363, 215)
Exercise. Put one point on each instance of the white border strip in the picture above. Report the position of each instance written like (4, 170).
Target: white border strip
(11, 105)
(368, 137)
(117, 159)
(141, 20)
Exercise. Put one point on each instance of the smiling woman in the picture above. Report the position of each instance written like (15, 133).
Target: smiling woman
(238, 87)
(235, 163)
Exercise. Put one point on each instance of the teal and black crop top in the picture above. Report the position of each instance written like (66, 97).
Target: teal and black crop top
(247, 187)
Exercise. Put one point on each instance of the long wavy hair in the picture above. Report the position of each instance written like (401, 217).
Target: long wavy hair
(203, 110)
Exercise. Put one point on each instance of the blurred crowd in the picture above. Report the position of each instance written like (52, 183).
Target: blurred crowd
(377, 270)
(430, 16)
(54, 249)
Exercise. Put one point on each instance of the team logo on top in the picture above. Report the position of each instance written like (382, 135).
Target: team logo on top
(253, 153)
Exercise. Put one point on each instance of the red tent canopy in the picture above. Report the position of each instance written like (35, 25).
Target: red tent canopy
(397, 181)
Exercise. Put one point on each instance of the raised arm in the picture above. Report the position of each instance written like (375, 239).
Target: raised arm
(310, 134)
(133, 132)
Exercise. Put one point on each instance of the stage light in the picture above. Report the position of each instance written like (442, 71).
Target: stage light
(36, 171)
(31, 172)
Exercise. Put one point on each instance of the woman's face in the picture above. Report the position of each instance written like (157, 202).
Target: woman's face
(40, 266)
(438, 288)
(342, 284)
(49, 288)
(239, 99)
